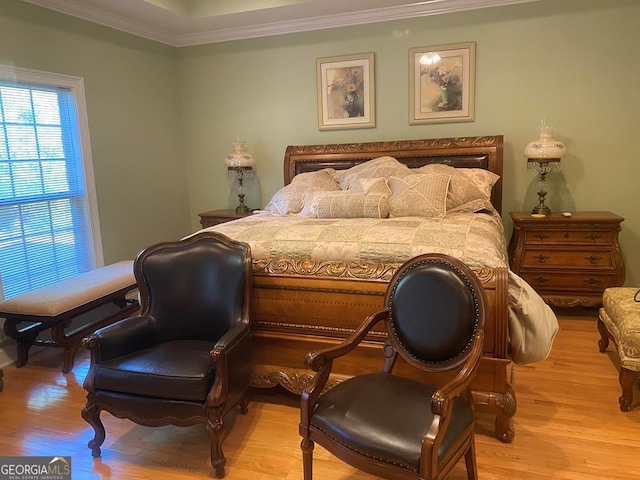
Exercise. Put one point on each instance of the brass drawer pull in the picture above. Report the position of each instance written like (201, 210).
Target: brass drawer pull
(542, 258)
(541, 280)
(593, 237)
(593, 282)
(541, 236)
(593, 260)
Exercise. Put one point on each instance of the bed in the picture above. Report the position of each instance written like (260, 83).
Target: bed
(317, 275)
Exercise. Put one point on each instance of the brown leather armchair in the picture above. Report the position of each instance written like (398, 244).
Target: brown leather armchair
(186, 358)
(389, 425)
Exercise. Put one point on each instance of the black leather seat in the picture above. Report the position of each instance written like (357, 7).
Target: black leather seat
(186, 358)
(393, 426)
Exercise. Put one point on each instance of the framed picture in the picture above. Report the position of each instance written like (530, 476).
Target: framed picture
(346, 92)
(442, 83)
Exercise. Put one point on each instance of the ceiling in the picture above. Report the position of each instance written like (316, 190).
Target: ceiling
(182, 23)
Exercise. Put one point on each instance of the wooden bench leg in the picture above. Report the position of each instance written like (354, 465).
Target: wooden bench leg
(69, 345)
(603, 343)
(24, 338)
(627, 379)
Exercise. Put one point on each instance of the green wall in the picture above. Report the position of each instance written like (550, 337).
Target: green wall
(131, 89)
(160, 139)
(574, 62)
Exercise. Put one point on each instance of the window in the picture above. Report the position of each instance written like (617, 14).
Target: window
(48, 214)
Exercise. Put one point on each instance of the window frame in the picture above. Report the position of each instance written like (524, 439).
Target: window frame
(21, 76)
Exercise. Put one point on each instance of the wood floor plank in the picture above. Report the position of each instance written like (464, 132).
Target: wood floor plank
(568, 426)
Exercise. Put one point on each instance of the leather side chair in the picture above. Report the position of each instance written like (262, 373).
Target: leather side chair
(389, 425)
(186, 358)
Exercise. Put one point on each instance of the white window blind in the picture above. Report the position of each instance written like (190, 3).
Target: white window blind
(46, 228)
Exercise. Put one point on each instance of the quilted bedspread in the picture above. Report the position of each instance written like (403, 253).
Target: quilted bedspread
(478, 239)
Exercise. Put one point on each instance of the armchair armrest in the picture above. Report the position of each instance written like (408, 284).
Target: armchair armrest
(321, 362)
(229, 340)
(120, 338)
(232, 356)
(442, 399)
(321, 359)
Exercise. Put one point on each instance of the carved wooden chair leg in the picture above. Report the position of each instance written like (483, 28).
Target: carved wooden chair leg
(244, 404)
(215, 426)
(627, 379)
(307, 458)
(91, 414)
(470, 462)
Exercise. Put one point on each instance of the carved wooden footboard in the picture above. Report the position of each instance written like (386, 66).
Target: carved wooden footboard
(293, 315)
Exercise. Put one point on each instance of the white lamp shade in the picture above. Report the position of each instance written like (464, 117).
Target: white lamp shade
(239, 158)
(545, 146)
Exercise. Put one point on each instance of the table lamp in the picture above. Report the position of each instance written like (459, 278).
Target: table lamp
(240, 162)
(543, 156)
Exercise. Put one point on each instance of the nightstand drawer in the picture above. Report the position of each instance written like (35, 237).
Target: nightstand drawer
(572, 237)
(567, 258)
(569, 282)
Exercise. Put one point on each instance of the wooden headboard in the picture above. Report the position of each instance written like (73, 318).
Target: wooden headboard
(461, 152)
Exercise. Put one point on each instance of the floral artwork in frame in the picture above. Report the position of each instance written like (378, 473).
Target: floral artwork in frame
(442, 83)
(346, 92)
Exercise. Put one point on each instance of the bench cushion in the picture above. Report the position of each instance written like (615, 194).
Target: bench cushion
(621, 315)
(71, 293)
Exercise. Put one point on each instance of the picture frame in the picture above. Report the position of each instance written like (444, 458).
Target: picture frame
(346, 92)
(442, 83)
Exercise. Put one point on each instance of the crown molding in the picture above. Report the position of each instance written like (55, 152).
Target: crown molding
(198, 34)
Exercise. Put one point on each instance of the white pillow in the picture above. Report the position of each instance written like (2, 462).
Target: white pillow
(290, 198)
(371, 185)
(419, 195)
(464, 193)
(378, 167)
(484, 179)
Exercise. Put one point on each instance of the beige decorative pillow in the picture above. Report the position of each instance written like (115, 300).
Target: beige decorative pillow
(464, 194)
(290, 198)
(378, 167)
(370, 185)
(419, 195)
(484, 179)
(354, 205)
(311, 200)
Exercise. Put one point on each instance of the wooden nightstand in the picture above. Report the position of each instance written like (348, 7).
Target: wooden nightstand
(569, 261)
(216, 217)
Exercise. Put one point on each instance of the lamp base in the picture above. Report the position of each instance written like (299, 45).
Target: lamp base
(541, 210)
(242, 209)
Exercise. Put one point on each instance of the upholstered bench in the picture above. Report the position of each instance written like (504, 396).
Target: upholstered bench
(56, 305)
(619, 320)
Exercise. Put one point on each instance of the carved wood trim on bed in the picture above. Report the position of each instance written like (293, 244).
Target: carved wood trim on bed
(299, 306)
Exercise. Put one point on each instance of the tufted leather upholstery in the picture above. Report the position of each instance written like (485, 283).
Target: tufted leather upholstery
(185, 358)
(392, 426)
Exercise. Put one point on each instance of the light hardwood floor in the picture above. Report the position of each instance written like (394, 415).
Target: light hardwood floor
(568, 426)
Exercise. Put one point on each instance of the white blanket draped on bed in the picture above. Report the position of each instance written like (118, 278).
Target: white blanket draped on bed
(477, 239)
